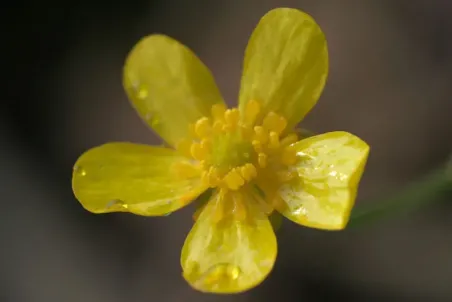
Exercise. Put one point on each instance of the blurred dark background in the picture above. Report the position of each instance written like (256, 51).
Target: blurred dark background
(389, 83)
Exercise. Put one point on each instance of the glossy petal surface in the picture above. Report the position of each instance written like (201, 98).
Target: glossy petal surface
(169, 86)
(329, 168)
(286, 64)
(231, 255)
(125, 177)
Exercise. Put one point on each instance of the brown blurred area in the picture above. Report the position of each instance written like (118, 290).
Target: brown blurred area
(389, 83)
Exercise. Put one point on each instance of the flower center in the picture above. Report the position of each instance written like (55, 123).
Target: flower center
(234, 148)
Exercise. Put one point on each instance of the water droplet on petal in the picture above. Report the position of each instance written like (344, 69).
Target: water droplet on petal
(300, 211)
(152, 119)
(155, 121)
(220, 273)
(79, 170)
(142, 93)
(116, 204)
(233, 272)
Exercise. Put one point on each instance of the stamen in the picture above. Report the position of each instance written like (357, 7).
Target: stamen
(257, 145)
(288, 156)
(218, 111)
(248, 172)
(204, 164)
(218, 127)
(262, 160)
(232, 116)
(232, 148)
(274, 140)
(251, 111)
(206, 145)
(289, 139)
(274, 122)
(233, 180)
(260, 134)
(246, 132)
(202, 127)
(213, 178)
(198, 152)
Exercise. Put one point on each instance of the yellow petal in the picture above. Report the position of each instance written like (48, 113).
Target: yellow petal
(231, 255)
(329, 168)
(286, 64)
(168, 86)
(125, 177)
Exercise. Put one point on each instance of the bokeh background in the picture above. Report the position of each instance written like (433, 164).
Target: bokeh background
(390, 83)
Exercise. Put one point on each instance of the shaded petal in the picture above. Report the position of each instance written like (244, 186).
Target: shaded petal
(141, 179)
(286, 64)
(329, 169)
(169, 86)
(231, 255)
(276, 219)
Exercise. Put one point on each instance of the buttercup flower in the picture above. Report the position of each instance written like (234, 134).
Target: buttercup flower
(249, 157)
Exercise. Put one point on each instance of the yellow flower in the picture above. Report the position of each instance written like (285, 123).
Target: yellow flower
(250, 157)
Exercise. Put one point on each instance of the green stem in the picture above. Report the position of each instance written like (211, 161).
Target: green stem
(413, 196)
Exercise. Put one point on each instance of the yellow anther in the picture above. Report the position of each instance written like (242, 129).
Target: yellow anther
(262, 160)
(252, 109)
(202, 127)
(233, 272)
(204, 164)
(233, 180)
(289, 139)
(227, 128)
(218, 111)
(206, 144)
(288, 156)
(231, 147)
(184, 147)
(248, 171)
(184, 170)
(252, 169)
(274, 140)
(274, 122)
(197, 151)
(260, 134)
(285, 176)
(257, 145)
(213, 177)
(218, 127)
(239, 209)
(232, 116)
(246, 131)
